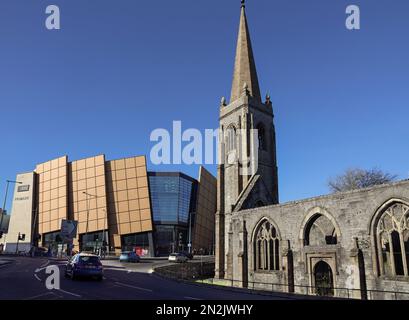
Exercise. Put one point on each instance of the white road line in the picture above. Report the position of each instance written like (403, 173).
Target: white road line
(37, 277)
(191, 298)
(5, 265)
(40, 295)
(133, 287)
(67, 292)
(46, 264)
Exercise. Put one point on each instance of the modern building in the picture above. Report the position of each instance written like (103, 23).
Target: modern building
(110, 200)
(183, 211)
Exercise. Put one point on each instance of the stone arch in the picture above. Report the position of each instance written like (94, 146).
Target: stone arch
(260, 222)
(376, 216)
(323, 279)
(266, 240)
(231, 140)
(389, 230)
(314, 214)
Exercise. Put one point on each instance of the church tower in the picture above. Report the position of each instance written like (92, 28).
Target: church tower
(247, 171)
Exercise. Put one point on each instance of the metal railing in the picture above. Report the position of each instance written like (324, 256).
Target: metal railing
(327, 292)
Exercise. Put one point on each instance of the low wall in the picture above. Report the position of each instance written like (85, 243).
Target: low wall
(194, 270)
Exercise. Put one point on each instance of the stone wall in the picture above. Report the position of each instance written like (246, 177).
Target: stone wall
(353, 259)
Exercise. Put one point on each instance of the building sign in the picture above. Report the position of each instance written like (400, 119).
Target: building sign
(24, 188)
(68, 230)
(22, 198)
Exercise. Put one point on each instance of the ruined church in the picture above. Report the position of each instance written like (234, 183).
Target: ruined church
(353, 244)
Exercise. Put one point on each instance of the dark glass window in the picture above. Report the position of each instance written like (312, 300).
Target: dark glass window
(171, 199)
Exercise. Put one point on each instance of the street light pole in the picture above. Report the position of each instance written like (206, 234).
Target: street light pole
(86, 228)
(5, 199)
(190, 231)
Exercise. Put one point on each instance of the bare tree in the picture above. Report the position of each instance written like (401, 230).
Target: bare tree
(353, 179)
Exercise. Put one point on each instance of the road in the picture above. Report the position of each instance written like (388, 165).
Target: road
(25, 278)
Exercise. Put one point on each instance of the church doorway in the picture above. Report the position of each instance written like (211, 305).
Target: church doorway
(324, 280)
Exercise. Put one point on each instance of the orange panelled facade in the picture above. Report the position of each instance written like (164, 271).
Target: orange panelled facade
(128, 197)
(52, 180)
(88, 194)
(100, 195)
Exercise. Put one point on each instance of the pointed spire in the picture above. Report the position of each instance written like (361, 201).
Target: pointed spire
(245, 67)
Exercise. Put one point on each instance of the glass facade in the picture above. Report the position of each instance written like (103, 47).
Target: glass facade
(93, 242)
(173, 197)
(137, 242)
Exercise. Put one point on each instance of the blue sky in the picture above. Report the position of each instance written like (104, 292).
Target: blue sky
(119, 69)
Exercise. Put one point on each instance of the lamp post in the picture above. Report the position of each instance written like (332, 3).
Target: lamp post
(86, 229)
(103, 232)
(190, 231)
(5, 199)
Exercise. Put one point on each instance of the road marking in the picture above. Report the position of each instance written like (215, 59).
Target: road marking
(67, 292)
(46, 264)
(37, 277)
(5, 265)
(191, 298)
(40, 295)
(133, 287)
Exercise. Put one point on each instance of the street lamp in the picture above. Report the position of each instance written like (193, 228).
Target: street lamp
(190, 231)
(86, 229)
(5, 199)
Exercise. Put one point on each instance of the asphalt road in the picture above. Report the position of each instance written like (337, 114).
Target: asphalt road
(25, 279)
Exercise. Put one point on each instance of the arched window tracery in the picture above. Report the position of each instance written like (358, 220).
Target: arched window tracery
(266, 248)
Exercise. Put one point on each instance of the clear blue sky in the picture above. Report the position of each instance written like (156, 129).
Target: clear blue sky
(119, 69)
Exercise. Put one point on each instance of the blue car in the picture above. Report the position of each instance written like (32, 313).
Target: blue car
(129, 256)
(84, 265)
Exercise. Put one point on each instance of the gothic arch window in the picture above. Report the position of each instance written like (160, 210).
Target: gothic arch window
(261, 133)
(266, 248)
(320, 231)
(231, 138)
(392, 239)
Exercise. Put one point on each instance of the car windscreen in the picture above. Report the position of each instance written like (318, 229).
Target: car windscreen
(89, 260)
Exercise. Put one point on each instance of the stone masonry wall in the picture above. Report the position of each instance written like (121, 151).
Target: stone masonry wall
(351, 213)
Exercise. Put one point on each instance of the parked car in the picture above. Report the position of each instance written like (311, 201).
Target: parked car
(177, 257)
(129, 256)
(84, 265)
(188, 255)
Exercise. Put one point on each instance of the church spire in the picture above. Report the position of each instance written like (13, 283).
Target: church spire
(245, 68)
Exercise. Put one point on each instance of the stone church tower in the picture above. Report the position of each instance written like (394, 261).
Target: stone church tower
(247, 171)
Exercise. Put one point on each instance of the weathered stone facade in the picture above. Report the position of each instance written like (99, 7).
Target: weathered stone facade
(353, 244)
(355, 258)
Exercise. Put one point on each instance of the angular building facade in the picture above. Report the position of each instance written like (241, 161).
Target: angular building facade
(183, 211)
(110, 200)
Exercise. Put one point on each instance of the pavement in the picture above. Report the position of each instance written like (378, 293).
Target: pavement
(24, 278)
